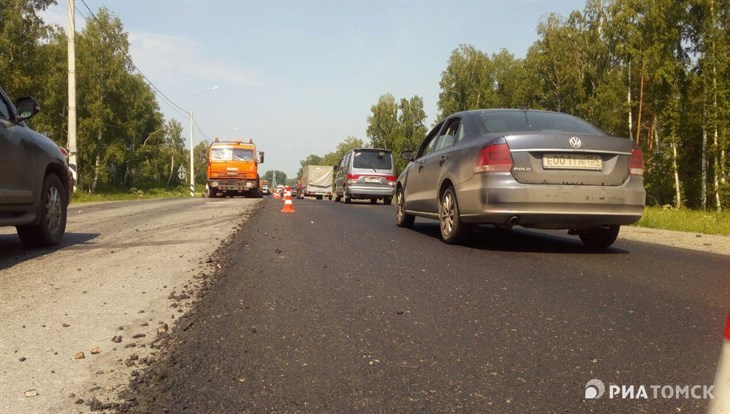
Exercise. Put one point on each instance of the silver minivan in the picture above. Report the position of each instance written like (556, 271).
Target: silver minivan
(365, 173)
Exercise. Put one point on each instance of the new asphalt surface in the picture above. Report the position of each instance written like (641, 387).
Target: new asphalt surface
(335, 309)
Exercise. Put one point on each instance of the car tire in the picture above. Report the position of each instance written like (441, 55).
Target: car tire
(402, 219)
(319, 197)
(388, 201)
(453, 230)
(599, 238)
(373, 201)
(337, 199)
(52, 225)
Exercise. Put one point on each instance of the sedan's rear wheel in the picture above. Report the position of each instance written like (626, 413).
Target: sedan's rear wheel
(387, 200)
(402, 219)
(599, 238)
(453, 230)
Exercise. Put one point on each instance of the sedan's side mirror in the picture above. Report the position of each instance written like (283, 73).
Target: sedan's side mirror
(261, 157)
(407, 155)
(27, 107)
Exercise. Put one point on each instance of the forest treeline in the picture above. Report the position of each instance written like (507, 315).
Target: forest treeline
(654, 71)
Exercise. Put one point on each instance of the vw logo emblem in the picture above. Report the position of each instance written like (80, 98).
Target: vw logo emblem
(575, 142)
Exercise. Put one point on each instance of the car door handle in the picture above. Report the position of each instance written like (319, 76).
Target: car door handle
(420, 165)
(443, 160)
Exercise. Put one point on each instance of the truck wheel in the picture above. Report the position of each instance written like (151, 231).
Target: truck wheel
(49, 231)
(212, 192)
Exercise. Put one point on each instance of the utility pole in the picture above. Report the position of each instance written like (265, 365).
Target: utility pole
(72, 161)
(192, 142)
(192, 160)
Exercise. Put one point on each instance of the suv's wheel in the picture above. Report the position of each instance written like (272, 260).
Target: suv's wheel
(49, 231)
(402, 219)
(453, 230)
(599, 238)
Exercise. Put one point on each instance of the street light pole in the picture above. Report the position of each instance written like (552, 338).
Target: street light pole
(192, 141)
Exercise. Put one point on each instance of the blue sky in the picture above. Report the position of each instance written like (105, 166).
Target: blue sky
(299, 77)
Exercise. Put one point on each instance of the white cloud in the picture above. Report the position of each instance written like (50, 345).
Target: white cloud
(175, 58)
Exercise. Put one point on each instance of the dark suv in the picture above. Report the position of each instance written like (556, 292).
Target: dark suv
(35, 181)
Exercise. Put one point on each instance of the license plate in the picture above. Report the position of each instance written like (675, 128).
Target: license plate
(572, 162)
(372, 180)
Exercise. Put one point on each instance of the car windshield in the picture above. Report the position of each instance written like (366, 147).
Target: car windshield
(376, 159)
(502, 121)
(231, 154)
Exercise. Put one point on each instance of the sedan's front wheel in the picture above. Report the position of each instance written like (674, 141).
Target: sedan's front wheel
(49, 231)
(599, 238)
(402, 219)
(453, 230)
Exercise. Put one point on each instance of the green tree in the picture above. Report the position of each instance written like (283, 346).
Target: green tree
(467, 83)
(383, 122)
(22, 59)
(280, 176)
(348, 144)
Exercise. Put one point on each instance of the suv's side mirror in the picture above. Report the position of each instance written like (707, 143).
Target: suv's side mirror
(27, 107)
(407, 155)
(261, 157)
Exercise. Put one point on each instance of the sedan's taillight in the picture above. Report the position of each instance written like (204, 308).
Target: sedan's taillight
(493, 158)
(636, 165)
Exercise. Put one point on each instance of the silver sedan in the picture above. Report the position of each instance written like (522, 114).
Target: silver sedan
(536, 169)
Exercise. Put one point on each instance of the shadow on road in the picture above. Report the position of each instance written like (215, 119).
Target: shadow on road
(12, 251)
(519, 240)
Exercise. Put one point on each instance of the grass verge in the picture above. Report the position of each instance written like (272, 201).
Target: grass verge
(693, 221)
(135, 194)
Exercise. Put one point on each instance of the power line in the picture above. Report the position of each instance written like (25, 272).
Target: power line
(200, 130)
(164, 97)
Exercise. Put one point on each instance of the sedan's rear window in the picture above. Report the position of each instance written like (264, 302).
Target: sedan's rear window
(377, 159)
(503, 121)
(231, 154)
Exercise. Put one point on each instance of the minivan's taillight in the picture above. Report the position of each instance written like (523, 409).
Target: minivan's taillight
(64, 151)
(636, 165)
(493, 158)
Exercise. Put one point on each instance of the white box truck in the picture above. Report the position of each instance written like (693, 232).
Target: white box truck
(316, 182)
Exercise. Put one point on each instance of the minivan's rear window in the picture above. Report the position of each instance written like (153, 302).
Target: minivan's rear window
(231, 154)
(377, 159)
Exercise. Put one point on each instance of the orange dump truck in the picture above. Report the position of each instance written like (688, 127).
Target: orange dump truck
(233, 169)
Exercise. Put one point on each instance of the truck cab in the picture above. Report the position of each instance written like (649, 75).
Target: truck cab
(233, 169)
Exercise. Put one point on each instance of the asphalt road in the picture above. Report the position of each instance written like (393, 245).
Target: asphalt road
(335, 309)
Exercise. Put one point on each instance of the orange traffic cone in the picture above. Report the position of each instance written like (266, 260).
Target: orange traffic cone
(288, 205)
(276, 195)
(721, 390)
